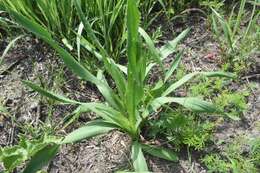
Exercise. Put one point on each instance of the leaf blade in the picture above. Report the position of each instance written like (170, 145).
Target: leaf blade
(138, 159)
(49, 94)
(41, 158)
(90, 130)
(192, 103)
(160, 152)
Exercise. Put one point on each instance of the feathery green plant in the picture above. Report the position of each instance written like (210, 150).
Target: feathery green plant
(128, 106)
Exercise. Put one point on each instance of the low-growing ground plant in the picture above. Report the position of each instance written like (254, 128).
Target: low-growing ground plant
(133, 100)
(233, 103)
(182, 128)
(242, 155)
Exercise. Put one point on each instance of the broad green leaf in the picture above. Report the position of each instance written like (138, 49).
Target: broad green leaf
(117, 75)
(49, 94)
(160, 152)
(111, 99)
(109, 114)
(90, 130)
(11, 157)
(137, 157)
(192, 103)
(41, 158)
(133, 20)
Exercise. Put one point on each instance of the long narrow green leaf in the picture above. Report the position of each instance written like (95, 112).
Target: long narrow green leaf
(188, 77)
(239, 17)
(138, 159)
(9, 46)
(219, 74)
(192, 103)
(109, 64)
(50, 94)
(170, 47)
(226, 28)
(106, 112)
(41, 158)
(87, 25)
(160, 152)
(156, 56)
(90, 130)
(67, 58)
(174, 66)
(179, 83)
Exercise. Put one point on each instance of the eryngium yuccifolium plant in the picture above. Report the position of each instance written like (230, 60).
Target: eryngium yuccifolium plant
(127, 107)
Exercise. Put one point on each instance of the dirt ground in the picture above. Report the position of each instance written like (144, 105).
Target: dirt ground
(30, 59)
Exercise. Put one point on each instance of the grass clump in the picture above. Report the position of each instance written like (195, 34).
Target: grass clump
(238, 42)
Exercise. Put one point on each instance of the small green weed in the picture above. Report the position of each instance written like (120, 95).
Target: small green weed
(240, 156)
(182, 128)
(15, 156)
(234, 104)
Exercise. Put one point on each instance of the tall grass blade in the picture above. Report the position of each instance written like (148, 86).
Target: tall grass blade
(50, 94)
(239, 17)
